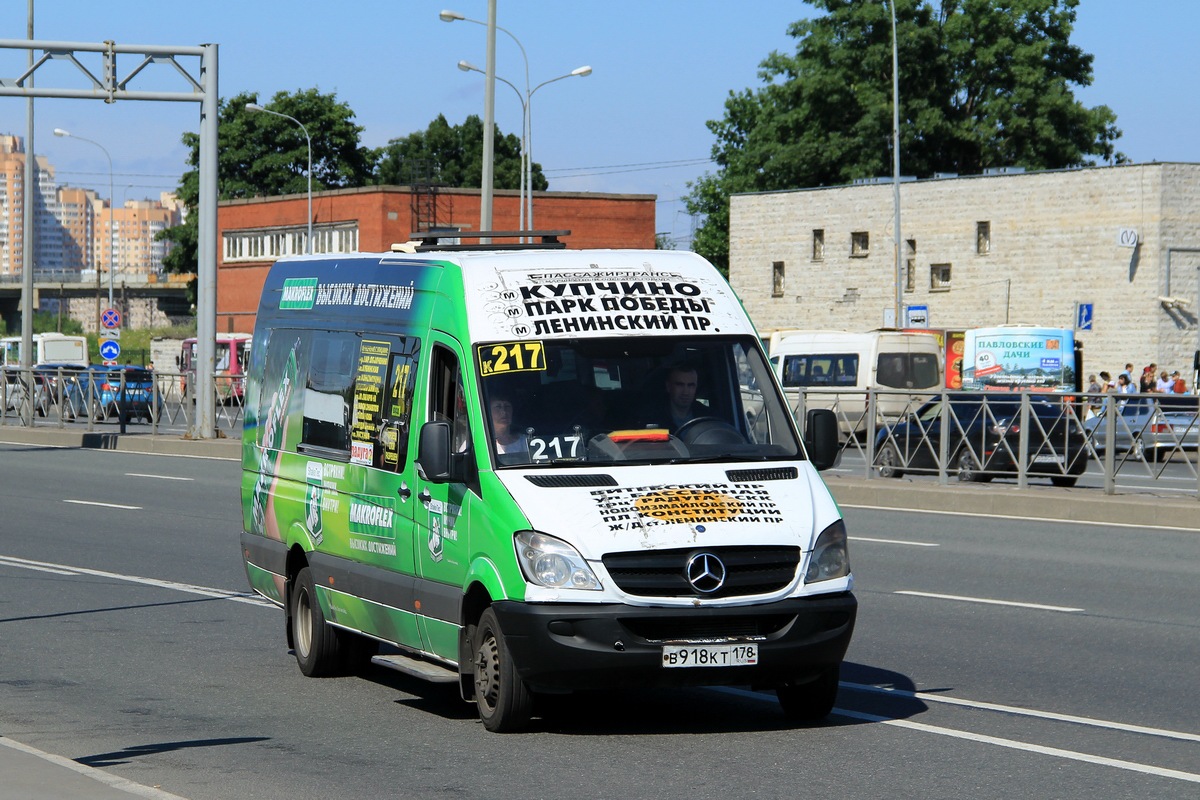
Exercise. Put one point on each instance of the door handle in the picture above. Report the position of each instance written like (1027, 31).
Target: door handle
(424, 496)
(404, 491)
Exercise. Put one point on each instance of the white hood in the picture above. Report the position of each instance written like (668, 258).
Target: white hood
(627, 508)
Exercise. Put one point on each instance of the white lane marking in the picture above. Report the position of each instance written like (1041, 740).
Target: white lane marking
(203, 591)
(1138, 525)
(1012, 744)
(123, 784)
(16, 563)
(104, 505)
(893, 541)
(1024, 712)
(1132, 766)
(160, 477)
(989, 601)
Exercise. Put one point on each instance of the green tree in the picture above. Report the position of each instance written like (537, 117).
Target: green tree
(263, 155)
(453, 156)
(981, 85)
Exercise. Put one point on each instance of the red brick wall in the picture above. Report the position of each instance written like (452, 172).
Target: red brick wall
(385, 216)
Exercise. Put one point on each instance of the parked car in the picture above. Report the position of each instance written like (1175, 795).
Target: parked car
(104, 391)
(1149, 426)
(58, 378)
(984, 439)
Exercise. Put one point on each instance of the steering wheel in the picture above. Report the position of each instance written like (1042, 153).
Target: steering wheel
(709, 431)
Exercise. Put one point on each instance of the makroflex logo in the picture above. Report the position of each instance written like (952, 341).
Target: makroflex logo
(298, 293)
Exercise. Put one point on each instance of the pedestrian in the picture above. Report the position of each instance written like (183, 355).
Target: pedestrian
(1165, 383)
(1129, 371)
(1178, 384)
(1094, 391)
(1109, 384)
(1124, 385)
(1148, 379)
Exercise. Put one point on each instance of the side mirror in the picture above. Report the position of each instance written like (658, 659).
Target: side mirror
(436, 462)
(821, 437)
(433, 452)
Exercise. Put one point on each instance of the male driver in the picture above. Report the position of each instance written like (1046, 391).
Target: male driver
(682, 405)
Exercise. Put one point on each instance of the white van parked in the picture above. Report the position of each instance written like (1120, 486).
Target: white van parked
(48, 348)
(837, 370)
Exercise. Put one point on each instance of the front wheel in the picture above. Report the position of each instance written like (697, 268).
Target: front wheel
(889, 462)
(968, 471)
(505, 704)
(810, 701)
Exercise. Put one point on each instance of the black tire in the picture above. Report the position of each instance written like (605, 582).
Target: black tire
(505, 704)
(318, 648)
(968, 469)
(889, 461)
(1064, 481)
(810, 701)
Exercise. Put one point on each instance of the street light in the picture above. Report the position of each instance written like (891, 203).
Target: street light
(896, 156)
(256, 107)
(112, 214)
(526, 110)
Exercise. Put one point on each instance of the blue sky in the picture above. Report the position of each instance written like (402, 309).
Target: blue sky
(636, 124)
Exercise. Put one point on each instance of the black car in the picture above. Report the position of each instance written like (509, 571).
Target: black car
(984, 436)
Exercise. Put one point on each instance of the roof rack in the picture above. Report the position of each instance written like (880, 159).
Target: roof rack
(545, 240)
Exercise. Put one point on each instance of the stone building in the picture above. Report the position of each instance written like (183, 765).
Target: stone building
(1008, 247)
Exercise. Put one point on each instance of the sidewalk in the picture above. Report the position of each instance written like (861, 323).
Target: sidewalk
(30, 774)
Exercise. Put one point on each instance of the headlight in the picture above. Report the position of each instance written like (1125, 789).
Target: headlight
(550, 562)
(829, 558)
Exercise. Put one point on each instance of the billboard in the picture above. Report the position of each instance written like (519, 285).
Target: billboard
(1013, 358)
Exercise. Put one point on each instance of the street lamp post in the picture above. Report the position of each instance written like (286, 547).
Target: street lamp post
(257, 108)
(526, 98)
(896, 160)
(112, 213)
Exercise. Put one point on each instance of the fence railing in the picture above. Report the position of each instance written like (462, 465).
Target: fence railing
(971, 436)
(65, 397)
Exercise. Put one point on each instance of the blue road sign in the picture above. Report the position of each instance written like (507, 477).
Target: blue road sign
(1083, 316)
(110, 349)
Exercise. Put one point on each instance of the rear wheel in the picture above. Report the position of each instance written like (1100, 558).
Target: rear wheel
(1065, 481)
(812, 700)
(505, 704)
(318, 648)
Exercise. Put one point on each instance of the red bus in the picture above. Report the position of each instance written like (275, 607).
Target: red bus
(232, 361)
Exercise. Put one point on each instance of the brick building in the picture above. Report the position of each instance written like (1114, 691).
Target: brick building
(1011, 247)
(254, 233)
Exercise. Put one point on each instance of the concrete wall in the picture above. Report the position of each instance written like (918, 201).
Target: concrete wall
(1053, 243)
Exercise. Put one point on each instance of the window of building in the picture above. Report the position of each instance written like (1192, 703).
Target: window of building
(910, 267)
(818, 244)
(777, 279)
(939, 277)
(860, 244)
(272, 243)
(983, 238)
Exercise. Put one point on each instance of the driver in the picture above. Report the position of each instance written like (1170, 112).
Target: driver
(680, 400)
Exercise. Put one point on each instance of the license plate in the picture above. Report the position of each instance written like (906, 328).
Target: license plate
(1049, 459)
(710, 655)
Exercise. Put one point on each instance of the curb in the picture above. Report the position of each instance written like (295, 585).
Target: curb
(225, 448)
(998, 500)
(53, 777)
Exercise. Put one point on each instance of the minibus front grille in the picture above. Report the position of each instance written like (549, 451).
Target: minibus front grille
(767, 474)
(570, 481)
(663, 573)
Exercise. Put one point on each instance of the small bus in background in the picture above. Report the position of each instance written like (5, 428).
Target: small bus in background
(48, 348)
(231, 360)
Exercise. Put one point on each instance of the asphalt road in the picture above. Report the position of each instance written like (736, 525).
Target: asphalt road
(994, 658)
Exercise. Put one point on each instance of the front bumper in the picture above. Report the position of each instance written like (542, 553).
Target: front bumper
(562, 647)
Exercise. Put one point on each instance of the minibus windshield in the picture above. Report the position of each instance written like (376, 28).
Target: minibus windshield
(632, 400)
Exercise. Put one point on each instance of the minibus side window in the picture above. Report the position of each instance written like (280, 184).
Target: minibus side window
(397, 411)
(448, 398)
(329, 391)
